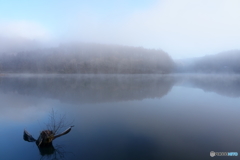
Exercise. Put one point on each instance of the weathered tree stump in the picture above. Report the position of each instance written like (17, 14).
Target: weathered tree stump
(52, 132)
(45, 138)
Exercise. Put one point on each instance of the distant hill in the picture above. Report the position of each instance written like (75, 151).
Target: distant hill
(88, 58)
(222, 62)
(225, 62)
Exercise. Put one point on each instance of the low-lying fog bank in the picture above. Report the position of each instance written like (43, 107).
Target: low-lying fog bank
(88, 58)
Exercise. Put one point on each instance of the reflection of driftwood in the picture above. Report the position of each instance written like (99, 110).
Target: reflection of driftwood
(45, 151)
(45, 138)
(52, 152)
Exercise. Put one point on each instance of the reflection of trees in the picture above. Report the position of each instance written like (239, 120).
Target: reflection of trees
(114, 88)
(90, 88)
(227, 85)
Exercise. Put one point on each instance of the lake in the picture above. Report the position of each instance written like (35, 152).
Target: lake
(122, 117)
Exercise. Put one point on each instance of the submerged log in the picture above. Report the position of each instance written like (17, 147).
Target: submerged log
(45, 138)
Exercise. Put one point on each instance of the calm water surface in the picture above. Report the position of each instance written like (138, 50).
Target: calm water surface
(122, 117)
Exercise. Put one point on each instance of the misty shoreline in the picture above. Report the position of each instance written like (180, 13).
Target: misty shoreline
(224, 63)
(89, 58)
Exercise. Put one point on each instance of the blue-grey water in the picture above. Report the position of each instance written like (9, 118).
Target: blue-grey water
(122, 117)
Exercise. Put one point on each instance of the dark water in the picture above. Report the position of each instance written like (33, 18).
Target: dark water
(122, 117)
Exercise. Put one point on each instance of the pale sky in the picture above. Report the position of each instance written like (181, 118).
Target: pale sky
(182, 28)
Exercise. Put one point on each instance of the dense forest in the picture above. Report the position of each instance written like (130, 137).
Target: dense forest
(92, 58)
(225, 62)
(228, 62)
(87, 58)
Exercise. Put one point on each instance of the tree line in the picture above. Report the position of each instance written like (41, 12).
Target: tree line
(224, 62)
(87, 58)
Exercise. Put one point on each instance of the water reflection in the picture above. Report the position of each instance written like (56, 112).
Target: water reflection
(80, 89)
(89, 88)
(226, 85)
(143, 124)
(51, 152)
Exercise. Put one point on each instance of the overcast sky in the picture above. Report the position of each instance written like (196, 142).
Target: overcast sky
(182, 28)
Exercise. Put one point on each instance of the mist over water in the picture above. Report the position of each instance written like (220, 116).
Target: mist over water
(124, 116)
(89, 88)
(125, 102)
(144, 80)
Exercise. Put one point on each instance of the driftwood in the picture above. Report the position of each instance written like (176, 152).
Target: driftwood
(54, 125)
(47, 149)
(28, 137)
(45, 138)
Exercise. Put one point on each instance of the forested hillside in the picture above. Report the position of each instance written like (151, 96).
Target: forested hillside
(225, 62)
(222, 62)
(87, 58)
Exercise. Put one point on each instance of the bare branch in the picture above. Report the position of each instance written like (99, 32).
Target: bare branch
(56, 122)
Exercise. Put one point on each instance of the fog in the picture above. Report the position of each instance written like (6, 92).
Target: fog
(19, 36)
(93, 58)
(155, 79)
(88, 58)
(181, 28)
(222, 63)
